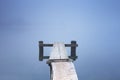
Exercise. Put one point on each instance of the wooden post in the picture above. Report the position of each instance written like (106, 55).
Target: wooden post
(62, 68)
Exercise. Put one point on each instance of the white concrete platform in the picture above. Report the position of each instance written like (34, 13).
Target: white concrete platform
(62, 70)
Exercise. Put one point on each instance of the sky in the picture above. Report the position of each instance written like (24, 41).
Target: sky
(94, 24)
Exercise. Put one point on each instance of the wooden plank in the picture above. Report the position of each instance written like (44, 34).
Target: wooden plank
(62, 70)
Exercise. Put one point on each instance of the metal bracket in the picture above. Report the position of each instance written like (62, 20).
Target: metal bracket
(73, 46)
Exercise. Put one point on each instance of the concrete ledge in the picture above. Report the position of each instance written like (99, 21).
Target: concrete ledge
(58, 60)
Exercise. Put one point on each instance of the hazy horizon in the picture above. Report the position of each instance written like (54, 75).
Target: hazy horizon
(94, 24)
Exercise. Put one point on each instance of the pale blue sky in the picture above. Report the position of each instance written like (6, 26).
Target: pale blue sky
(94, 24)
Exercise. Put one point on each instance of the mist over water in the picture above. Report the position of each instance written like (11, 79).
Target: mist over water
(93, 24)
